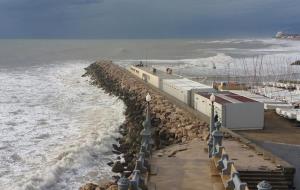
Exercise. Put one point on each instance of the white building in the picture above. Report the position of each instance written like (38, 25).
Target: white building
(151, 75)
(234, 111)
(183, 89)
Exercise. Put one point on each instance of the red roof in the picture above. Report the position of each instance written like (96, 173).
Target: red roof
(221, 97)
(240, 98)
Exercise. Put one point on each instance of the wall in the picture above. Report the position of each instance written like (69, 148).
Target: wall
(243, 116)
(146, 76)
(180, 94)
(193, 93)
(203, 105)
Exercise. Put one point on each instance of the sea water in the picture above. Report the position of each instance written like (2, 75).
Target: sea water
(56, 129)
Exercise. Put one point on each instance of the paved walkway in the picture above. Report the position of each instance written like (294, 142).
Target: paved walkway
(246, 158)
(188, 169)
(187, 166)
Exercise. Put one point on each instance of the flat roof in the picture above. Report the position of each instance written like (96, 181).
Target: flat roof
(256, 97)
(159, 73)
(226, 97)
(187, 84)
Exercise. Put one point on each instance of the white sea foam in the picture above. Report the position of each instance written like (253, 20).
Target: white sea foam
(227, 41)
(274, 59)
(182, 63)
(56, 129)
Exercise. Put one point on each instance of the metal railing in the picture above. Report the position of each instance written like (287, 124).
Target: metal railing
(142, 166)
(228, 172)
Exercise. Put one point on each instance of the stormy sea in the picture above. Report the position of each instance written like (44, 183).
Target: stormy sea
(56, 130)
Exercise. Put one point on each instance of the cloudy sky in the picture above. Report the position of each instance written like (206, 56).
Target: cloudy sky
(146, 18)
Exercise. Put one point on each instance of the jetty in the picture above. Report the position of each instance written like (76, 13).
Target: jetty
(169, 145)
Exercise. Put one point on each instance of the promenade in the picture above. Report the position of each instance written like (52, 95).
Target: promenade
(187, 166)
(184, 166)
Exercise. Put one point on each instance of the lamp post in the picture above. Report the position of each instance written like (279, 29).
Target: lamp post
(146, 133)
(212, 124)
(212, 114)
(148, 99)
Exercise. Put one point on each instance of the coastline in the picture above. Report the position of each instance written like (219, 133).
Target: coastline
(171, 124)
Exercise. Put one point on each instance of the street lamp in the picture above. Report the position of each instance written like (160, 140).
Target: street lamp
(146, 133)
(212, 98)
(148, 98)
(212, 114)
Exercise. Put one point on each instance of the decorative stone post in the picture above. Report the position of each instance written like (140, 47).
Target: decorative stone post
(136, 180)
(140, 163)
(212, 125)
(264, 185)
(123, 183)
(217, 138)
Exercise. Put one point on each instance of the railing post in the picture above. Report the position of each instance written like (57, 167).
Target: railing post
(219, 151)
(136, 181)
(235, 182)
(217, 138)
(123, 183)
(264, 185)
(140, 164)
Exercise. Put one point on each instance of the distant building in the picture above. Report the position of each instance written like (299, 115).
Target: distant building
(279, 34)
(229, 86)
(282, 35)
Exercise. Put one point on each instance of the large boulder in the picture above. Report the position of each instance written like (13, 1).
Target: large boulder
(117, 167)
(89, 186)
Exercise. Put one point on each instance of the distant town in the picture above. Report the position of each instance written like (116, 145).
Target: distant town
(282, 35)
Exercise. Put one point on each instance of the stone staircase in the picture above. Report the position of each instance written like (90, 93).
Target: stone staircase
(278, 179)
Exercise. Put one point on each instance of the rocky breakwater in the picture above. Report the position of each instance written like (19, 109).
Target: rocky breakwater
(170, 123)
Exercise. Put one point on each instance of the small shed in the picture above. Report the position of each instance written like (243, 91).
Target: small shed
(234, 111)
(183, 89)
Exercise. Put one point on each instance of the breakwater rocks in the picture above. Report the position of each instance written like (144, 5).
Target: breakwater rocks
(170, 123)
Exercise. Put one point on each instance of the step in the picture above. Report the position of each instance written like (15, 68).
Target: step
(271, 182)
(254, 186)
(260, 172)
(268, 177)
(262, 175)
